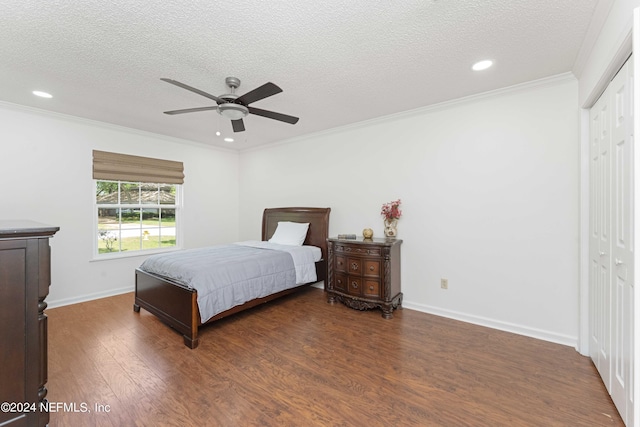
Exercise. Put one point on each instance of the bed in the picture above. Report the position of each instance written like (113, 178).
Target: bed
(176, 304)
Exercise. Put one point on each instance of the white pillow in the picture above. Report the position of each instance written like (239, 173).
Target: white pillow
(290, 233)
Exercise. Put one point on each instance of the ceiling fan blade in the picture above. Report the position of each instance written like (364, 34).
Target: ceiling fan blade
(273, 115)
(264, 91)
(194, 90)
(238, 125)
(190, 110)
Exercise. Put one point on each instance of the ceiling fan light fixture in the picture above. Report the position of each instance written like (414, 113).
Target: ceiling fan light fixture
(233, 111)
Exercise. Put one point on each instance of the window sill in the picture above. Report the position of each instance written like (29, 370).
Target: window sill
(121, 255)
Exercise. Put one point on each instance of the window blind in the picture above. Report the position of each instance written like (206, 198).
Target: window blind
(123, 167)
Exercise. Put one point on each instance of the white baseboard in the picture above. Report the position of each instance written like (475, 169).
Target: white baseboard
(88, 297)
(571, 341)
(553, 337)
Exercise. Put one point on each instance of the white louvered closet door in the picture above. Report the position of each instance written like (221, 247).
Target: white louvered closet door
(611, 242)
(599, 241)
(621, 92)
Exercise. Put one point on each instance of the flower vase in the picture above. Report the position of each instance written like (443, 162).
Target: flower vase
(391, 227)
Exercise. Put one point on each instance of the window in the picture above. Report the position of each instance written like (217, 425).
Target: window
(136, 216)
(136, 204)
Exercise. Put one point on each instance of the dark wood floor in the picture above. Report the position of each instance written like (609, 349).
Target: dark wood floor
(302, 362)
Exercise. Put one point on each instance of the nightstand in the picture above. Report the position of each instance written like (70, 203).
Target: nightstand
(365, 273)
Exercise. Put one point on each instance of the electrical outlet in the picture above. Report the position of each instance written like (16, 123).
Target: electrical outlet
(444, 283)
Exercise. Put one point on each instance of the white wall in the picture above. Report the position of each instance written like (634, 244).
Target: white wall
(46, 170)
(490, 192)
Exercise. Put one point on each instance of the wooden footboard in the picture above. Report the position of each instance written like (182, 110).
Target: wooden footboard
(171, 302)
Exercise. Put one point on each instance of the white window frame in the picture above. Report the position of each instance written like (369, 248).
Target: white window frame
(96, 256)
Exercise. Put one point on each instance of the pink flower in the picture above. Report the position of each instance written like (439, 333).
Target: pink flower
(391, 210)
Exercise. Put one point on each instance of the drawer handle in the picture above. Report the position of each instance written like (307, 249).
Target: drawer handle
(339, 262)
(354, 266)
(370, 288)
(371, 268)
(339, 282)
(354, 285)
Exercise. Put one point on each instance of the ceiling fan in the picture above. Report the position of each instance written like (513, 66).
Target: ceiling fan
(234, 107)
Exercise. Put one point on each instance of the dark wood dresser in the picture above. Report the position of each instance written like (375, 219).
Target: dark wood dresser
(25, 272)
(365, 273)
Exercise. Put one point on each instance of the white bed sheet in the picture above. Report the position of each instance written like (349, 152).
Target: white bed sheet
(304, 257)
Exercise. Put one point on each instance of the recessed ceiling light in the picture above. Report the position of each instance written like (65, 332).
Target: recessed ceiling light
(218, 133)
(482, 65)
(228, 140)
(42, 94)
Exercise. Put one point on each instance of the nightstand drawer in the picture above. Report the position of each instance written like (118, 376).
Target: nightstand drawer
(340, 282)
(339, 248)
(363, 251)
(371, 288)
(355, 286)
(354, 265)
(371, 268)
(341, 263)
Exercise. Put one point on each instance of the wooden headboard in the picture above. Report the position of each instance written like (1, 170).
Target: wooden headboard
(318, 219)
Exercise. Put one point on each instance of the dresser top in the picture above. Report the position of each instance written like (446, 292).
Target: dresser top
(376, 241)
(19, 228)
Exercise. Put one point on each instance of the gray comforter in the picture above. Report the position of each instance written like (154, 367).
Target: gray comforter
(226, 276)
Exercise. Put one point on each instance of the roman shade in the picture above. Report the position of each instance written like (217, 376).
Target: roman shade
(123, 167)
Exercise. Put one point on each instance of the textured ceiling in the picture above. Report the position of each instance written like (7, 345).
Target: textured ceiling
(337, 61)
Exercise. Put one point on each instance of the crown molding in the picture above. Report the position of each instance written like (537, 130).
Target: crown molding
(598, 20)
(110, 126)
(521, 87)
